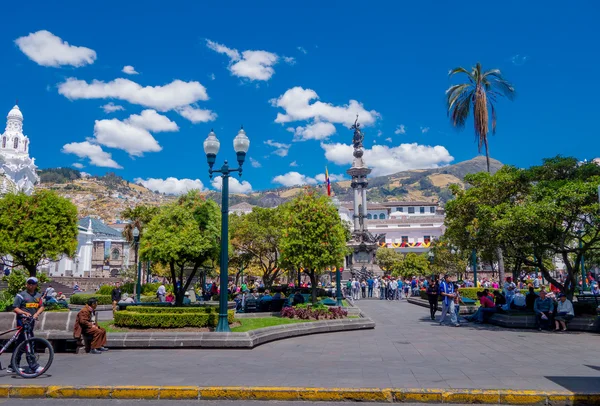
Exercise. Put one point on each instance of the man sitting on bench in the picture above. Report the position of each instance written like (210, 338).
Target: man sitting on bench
(86, 325)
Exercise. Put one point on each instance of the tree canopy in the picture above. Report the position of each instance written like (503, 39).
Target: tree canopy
(544, 212)
(183, 236)
(35, 228)
(314, 237)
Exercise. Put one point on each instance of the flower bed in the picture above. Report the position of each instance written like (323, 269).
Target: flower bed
(318, 312)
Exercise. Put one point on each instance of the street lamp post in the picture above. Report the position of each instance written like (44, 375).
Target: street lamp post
(241, 143)
(338, 286)
(138, 263)
(474, 264)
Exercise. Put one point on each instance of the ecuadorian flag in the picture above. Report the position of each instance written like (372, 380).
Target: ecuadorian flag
(328, 182)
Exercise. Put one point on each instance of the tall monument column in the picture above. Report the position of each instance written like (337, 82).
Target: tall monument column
(362, 243)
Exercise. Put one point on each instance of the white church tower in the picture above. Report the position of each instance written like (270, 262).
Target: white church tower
(17, 169)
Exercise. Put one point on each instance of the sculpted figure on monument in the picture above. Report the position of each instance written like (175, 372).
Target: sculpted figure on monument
(358, 135)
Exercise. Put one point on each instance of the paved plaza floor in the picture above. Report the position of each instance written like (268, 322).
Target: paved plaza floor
(405, 350)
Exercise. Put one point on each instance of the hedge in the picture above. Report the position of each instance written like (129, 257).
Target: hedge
(171, 309)
(82, 298)
(148, 289)
(134, 319)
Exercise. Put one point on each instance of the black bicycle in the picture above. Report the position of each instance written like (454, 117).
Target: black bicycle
(33, 356)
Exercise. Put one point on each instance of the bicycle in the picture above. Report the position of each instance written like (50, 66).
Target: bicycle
(38, 352)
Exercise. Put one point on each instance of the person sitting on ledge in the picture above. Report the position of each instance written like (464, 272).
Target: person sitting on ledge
(519, 301)
(298, 298)
(564, 312)
(530, 298)
(544, 310)
(86, 325)
(278, 295)
(126, 298)
(186, 299)
(486, 309)
(267, 296)
(499, 298)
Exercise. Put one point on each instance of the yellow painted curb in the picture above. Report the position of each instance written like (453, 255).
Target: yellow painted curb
(387, 395)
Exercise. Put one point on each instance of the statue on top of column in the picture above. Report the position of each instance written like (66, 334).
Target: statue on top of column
(358, 135)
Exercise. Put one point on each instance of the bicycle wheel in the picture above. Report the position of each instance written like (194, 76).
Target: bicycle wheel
(32, 357)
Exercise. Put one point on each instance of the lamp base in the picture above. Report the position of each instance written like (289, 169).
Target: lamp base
(223, 326)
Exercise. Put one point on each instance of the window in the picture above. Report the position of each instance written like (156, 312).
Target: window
(382, 216)
(3, 142)
(25, 147)
(404, 239)
(422, 210)
(427, 239)
(16, 144)
(411, 210)
(115, 255)
(432, 209)
(400, 209)
(369, 217)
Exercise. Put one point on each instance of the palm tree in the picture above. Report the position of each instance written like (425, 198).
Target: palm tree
(480, 95)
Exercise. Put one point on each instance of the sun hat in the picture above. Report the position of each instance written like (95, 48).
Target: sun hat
(32, 281)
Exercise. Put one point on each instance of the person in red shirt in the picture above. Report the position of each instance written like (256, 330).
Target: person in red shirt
(487, 308)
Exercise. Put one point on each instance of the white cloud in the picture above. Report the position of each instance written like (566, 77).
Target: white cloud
(332, 177)
(196, 115)
(401, 129)
(111, 108)
(289, 60)
(297, 106)
(78, 165)
(316, 131)
(46, 49)
(379, 133)
(252, 65)
(133, 134)
(302, 50)
(162, 98)
(152, 121)
(130, 70)
(93, 152)
(519, 60)
(171, 186)
(255, 163)
(212, 76)
(386, 160)
(294, 179)
(424, 130)
(293, 164)
(281, 149)
(389, 139)
(234, 185)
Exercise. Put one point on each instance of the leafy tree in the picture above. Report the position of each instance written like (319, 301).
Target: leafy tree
(35, 228)
(257, 236)
(447, 259)
(183, 236)
(413, 264)
(388, 259)
(139, 217)
(535, 214)
(478, 95)
(314, 236)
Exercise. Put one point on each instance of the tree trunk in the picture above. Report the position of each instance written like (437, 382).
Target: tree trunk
(313, 282)
(501, 276)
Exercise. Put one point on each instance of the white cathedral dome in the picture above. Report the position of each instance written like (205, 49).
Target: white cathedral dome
(15, 113)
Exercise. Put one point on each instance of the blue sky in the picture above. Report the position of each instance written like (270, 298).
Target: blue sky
(196, 66)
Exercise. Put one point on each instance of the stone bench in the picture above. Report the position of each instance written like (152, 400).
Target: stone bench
(579, 323)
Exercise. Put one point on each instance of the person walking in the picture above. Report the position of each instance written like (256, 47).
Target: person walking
(447, 292)
(432, 297)
(115, 296)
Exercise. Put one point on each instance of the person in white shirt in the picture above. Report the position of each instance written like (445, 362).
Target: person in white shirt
(564, 313)
(376, 284)
(161, 293)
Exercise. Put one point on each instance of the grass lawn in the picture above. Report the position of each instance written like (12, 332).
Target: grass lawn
(109, 327)
(260, 322)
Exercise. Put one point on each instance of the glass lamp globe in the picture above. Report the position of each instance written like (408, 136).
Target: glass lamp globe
(211, 144)
(241, 143)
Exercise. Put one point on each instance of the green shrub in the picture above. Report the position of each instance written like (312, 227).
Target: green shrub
(82, 298)
(171, 309)
(148, 299)
(105, 290)
(134, 319)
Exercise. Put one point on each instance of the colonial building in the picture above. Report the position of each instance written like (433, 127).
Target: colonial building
(17, 169)
(101, 252)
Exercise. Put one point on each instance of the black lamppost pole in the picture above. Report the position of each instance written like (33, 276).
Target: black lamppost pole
(138, 263)
(241, 143)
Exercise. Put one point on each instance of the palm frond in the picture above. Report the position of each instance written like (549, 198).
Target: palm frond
(454, 93)
(454, 71)
(460, 110)
(497, 81)
(493, 118)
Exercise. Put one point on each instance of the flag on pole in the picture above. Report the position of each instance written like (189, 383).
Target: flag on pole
(328, 182)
